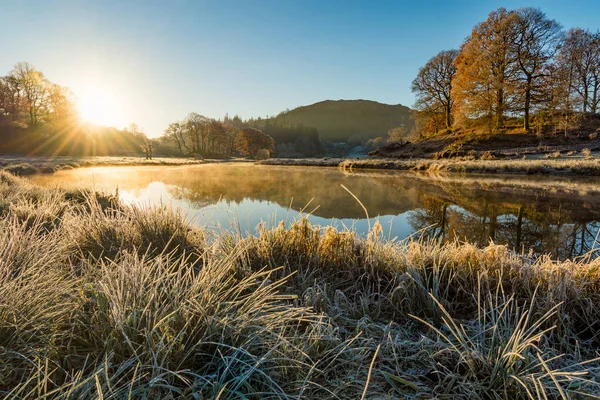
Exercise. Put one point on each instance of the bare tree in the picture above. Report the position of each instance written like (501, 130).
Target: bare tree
(195, 126)
(580, 56)
(535, 43)
(433, 85)
(175, 132)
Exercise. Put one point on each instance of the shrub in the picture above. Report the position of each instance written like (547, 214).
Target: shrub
(586, 153)
(262, 154)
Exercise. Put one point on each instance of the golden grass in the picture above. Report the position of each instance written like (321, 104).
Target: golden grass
(588, 166)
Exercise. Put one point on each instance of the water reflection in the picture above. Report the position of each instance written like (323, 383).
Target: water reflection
(560, 218)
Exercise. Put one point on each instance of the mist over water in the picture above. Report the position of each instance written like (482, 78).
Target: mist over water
(561, 218)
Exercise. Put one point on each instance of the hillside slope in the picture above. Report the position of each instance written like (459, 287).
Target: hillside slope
(348, 120)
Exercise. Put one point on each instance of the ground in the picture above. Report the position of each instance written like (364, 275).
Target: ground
(497, 145)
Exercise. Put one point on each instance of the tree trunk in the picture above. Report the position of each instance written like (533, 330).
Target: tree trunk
(499, 108)
(527, 103)
(448, 116)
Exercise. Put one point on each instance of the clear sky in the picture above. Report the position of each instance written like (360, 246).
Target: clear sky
(160, 60)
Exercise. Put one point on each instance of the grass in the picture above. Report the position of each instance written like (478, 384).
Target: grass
(22, 165)
(103, 300)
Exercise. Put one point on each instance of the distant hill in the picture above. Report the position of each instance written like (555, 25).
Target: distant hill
(348, 120)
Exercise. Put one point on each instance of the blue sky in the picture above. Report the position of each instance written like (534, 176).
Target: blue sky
(164, 59)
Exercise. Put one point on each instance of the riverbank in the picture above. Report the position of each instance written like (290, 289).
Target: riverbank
(590, 166)
(584, 167)
(100, 299)
(22, 166)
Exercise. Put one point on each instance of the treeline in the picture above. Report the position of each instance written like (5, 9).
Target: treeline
(258, 138)
(291, 140)
(200, 136)
(518, 68)
(29, 99)
(39, 117)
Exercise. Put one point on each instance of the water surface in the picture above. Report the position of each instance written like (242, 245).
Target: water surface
(560, 217)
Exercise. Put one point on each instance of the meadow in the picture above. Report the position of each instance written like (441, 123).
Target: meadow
(100, 299)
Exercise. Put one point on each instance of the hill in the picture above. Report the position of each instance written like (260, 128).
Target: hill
(348, 120)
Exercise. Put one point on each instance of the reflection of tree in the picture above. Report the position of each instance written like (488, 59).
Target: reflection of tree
(545, 228)
(431, 219)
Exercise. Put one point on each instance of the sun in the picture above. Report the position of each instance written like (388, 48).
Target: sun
(99, 105)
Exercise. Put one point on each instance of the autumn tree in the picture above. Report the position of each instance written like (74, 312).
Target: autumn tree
(217, 138)
(535, 43)
(31, 86)
(231, 133)
(250, 141)
(60, 104)
(485, 70)
(28, 97)
(433, 86)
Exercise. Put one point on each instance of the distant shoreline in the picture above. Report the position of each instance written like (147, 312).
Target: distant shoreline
(562, 166)
(22, 165)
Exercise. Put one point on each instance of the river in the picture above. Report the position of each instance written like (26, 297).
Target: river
(560, 216)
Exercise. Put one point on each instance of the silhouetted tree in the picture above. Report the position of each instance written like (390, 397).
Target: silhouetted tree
(175, 132)
(433, 85)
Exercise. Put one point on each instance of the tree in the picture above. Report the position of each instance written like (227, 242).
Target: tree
(433, 85)
(398, 134)
(9, 98)
(195, 127)
(485, 69)
(231, 133)
(579, 57)
(31, 90)
(536, 40)
(250, 141)
(217, 138)
(175, 132)
(61, 104)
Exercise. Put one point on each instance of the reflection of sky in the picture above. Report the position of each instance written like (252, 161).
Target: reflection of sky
(247, 214)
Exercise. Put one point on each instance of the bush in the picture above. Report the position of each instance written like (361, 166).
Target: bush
(262, 154)
(586, 153)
